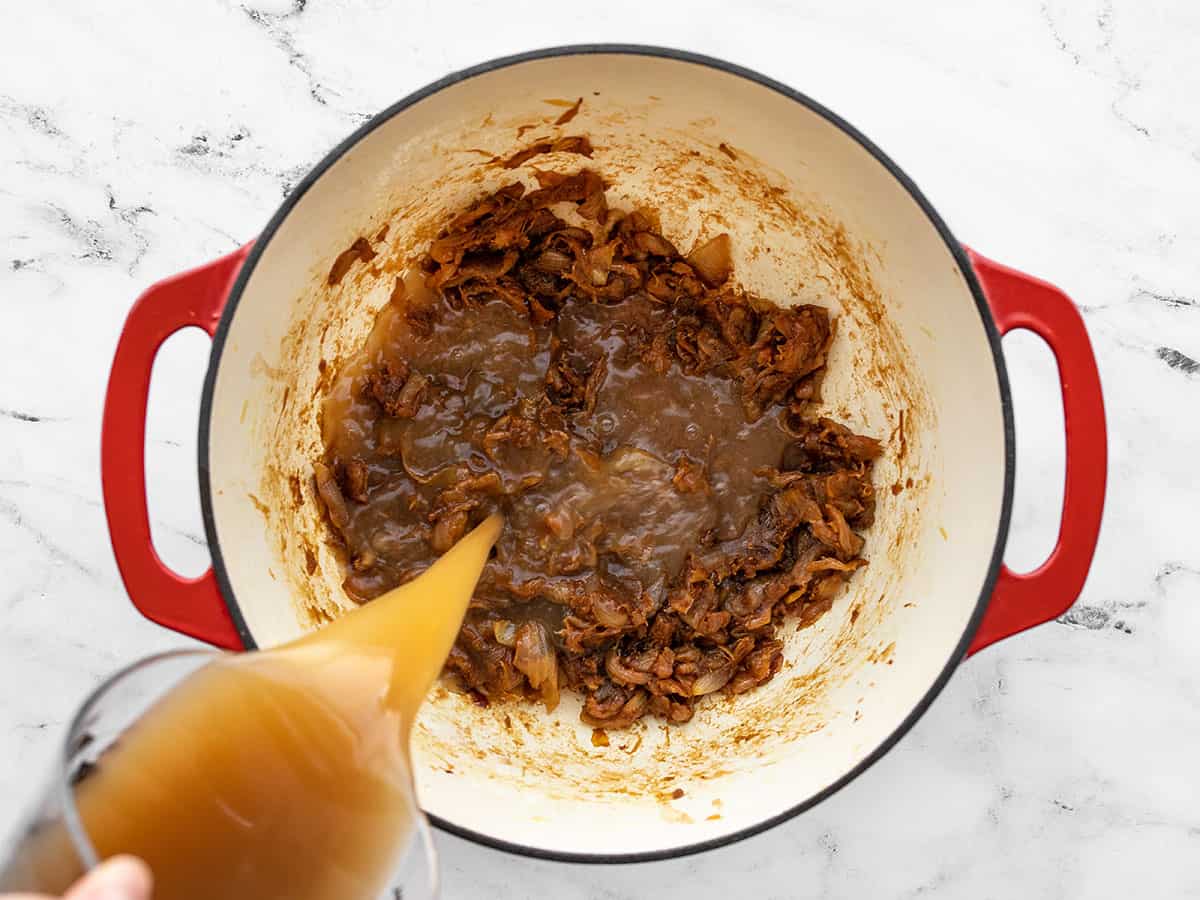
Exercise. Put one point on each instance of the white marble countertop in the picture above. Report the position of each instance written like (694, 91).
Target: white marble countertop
(1058, 136)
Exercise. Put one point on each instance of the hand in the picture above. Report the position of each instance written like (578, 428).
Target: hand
(119, 878)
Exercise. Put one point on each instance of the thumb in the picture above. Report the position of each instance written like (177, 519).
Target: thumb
(119, 878)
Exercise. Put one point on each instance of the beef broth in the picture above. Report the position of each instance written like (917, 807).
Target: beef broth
(644, 426)
(276, 775)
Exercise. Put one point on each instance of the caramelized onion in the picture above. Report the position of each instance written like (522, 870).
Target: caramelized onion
(644, 660)
(621, 673)
(534, 656)
(550, 686)
(594, 207)
(631, 461)
(829, 564)
(555, 261)
(331, 493)
(560, 523)
(505, 632)
(598, 262)
(655, 244)
(360, 250)
(447, 530)
(607, 611)
(713, 260)
(712, 681)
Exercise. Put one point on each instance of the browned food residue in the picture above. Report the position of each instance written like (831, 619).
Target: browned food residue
(599, 737)
(883, 654)
(647, 429)
(297, 490)
(570, 113)
(360, 250)
(577, 143)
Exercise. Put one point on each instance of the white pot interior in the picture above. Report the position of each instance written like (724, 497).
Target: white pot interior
(814, 217)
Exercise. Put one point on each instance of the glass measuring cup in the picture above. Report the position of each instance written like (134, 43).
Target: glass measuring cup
(53, 847)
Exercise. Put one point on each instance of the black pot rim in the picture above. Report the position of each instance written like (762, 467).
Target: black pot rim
(935, 220)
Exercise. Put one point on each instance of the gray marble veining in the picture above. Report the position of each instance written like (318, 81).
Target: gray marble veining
(1058, 136)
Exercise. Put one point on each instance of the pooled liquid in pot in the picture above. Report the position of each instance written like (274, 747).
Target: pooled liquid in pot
(644, 425)
(279, 774)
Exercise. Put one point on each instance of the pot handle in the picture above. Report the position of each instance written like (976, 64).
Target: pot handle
(193, 606)
(1021, 601)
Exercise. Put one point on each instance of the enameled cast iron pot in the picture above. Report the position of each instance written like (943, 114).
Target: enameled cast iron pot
(817, 214)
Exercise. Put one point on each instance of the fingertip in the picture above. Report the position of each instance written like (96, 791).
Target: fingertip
(118, 878)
